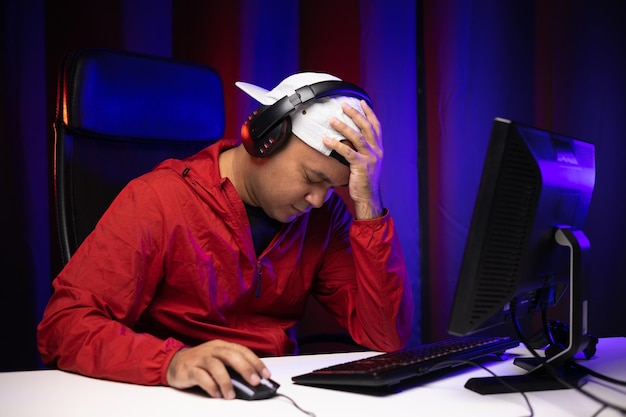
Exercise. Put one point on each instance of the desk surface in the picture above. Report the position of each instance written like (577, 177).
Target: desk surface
(55, 393)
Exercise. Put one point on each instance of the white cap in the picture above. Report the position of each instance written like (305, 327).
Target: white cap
(311, 121)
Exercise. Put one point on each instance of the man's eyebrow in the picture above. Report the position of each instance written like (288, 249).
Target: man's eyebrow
(325, 178)
(321, 175)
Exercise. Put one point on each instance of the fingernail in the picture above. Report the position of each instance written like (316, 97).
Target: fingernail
(266, 373)
(255, 379)
(230, 395)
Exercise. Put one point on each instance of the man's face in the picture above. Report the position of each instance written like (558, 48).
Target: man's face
(294, 180)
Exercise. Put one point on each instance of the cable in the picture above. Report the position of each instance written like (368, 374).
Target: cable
(295, 404)
(547, 331)
(498, 378)
(601, 409)
(548, 366)
(546, 327)
(599, 375)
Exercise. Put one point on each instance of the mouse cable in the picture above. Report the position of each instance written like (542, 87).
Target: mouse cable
(295, 404)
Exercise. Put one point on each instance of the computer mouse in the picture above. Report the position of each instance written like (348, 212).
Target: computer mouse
(244, 391)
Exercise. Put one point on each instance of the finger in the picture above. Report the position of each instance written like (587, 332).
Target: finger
(371, 116)
(210, 374)
(368, 135)
(343, 148)
(221, 378)
(368, 123)
(356, 138)
(202, 378)
(359, 118)
(245, 362)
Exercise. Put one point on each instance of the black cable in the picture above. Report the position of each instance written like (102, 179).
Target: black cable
(548, 366)
(445, 364)
(546, 328)
(548, 334)
(599, 375)
(601, 409)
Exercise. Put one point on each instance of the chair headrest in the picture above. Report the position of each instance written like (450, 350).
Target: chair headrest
(117, 93)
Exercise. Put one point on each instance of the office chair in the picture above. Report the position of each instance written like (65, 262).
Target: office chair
(118, 115)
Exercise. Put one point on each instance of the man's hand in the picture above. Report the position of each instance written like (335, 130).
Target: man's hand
(205, 366)
(365, 158)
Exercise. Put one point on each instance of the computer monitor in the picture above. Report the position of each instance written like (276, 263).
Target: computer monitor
(526, 248)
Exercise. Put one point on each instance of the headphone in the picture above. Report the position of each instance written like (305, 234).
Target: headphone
(268, 127)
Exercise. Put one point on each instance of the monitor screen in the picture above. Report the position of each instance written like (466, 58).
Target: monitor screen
(526, 227)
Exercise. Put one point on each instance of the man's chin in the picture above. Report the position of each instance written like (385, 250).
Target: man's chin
(289, 219)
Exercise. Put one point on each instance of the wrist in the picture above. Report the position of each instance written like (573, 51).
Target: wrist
(368, 211)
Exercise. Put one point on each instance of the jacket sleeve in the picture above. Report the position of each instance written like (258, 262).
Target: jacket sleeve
(103, 290)
(365, 284)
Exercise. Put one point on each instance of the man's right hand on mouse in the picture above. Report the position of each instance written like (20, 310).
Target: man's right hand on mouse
(205, 366)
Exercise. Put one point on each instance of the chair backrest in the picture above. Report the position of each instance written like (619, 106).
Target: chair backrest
(118, 115)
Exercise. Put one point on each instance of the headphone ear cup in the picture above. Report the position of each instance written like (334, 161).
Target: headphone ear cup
(264, 146)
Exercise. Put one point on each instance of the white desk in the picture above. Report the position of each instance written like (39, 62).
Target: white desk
(52, 393)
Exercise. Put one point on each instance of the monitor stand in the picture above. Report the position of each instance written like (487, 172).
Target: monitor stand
(556, 372)
(536, 379)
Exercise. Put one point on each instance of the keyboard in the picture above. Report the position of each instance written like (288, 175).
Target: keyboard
(390, 372)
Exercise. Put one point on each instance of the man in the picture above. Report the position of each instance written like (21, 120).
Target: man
(207, 262)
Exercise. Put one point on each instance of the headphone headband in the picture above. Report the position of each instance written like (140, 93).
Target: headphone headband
(268, 127)
(267, 120)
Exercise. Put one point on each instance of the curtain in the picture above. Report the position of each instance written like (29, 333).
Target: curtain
(369, 42)
(558, 65)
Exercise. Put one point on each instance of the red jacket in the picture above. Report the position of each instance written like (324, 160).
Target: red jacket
(172, 263)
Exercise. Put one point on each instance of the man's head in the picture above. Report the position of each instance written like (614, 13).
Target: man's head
(302, 175)
(302, 104)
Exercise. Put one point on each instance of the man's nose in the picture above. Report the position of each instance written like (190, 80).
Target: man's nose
(318, 195)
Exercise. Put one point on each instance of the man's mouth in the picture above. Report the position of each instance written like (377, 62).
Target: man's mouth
(300, 211)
